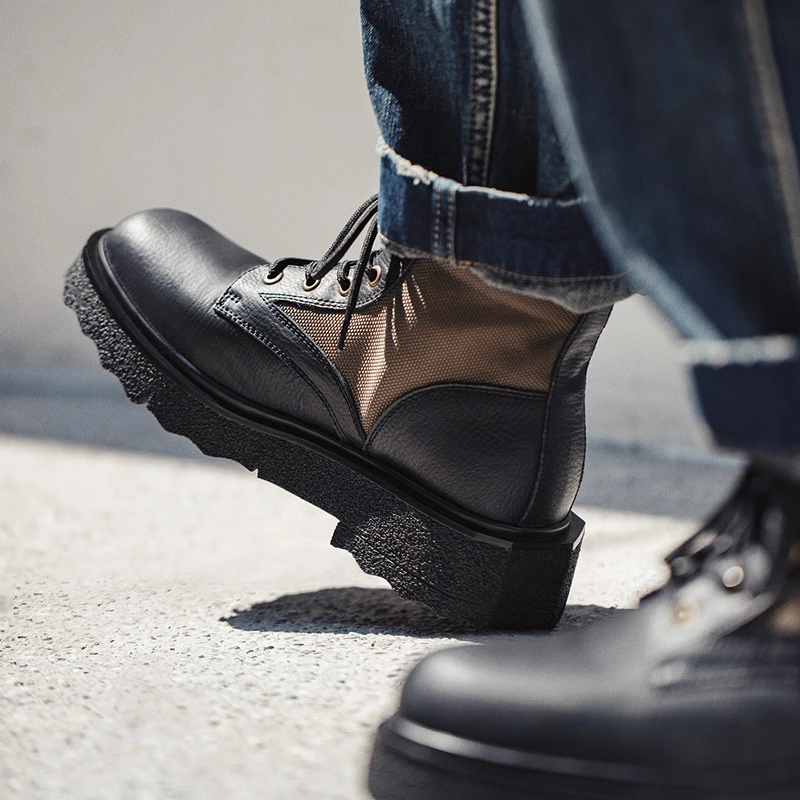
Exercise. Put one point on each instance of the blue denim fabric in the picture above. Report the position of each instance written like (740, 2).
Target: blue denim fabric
(681, 120)
(471, 169)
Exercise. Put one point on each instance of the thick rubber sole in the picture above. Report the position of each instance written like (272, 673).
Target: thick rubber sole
(484, 580)
(410, 761)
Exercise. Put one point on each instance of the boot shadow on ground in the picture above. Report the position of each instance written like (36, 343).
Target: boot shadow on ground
(360, 610)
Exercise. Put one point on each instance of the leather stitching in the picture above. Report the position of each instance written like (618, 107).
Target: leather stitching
(337, 305)
(444, 388)
(291, 326)
(236, 318)
(296, 330)
(254, 332)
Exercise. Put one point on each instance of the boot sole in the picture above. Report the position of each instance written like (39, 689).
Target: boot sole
(412, 761)
(472, 570)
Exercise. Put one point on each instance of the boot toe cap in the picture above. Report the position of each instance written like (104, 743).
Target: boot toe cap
(172, 267)
(592, 697)
(169, 269)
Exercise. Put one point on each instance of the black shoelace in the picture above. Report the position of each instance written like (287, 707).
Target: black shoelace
(365, 216)
(729, 529)
(756, 514)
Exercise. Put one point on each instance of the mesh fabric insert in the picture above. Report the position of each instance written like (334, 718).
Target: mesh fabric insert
(439, 324)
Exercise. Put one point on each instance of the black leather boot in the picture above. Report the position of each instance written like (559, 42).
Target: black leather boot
(695, 695)
(439, 419)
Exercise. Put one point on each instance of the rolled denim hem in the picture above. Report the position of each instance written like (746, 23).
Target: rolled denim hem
(749, 391)
(540, 246)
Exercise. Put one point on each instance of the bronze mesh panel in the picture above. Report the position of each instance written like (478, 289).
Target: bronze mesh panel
(439, 324)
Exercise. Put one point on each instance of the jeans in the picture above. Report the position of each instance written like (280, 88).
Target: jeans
(679, 122)
(471, 169)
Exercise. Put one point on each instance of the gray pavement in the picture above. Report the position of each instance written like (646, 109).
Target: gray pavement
(155, 649)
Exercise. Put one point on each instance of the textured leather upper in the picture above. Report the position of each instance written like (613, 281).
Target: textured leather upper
(172, 268)
(513, 456)
(477, 444)
(563, 444)
(646, 688)
(698, 677)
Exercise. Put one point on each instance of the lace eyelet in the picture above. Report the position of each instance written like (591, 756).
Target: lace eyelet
(309, 287)
(733, 577)
(272, 279)
(373, 282)
(344, 292)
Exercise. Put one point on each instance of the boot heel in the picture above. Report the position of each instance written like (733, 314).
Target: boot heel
(485, 581)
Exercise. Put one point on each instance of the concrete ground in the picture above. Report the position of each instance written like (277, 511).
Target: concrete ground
(150, 648)
(153, 649)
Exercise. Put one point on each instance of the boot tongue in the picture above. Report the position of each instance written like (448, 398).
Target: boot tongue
(777, 525)
(781, 465)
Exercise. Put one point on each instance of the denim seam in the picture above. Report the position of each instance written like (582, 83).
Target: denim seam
(770, 108)
(404, 168)
(451, 224)
(652, 280)
(499, 270)
(436, 220)
(483, 91)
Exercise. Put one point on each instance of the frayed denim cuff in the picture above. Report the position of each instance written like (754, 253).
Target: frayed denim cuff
(749, 391)
(528, 243)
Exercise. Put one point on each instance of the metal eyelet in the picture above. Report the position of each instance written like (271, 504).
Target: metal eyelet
(309, 287)
(377, 279)
(344, 292)
(733, 577)
(274, 279)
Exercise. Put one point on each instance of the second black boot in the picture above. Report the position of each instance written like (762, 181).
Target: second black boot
(439, 419)
(695, 696)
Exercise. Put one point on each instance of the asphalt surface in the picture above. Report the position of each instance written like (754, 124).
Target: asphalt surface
(153, 647)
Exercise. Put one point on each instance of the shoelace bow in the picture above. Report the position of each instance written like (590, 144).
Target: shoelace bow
(365, 216)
